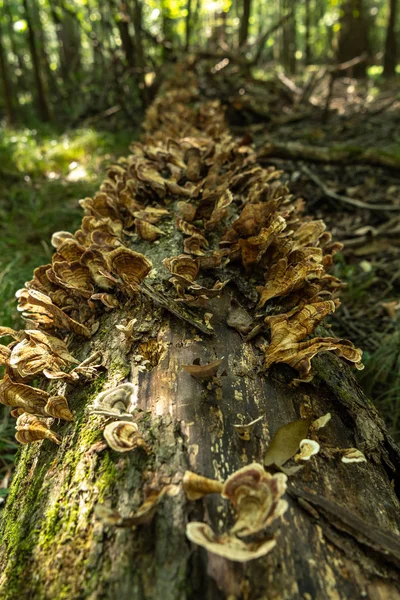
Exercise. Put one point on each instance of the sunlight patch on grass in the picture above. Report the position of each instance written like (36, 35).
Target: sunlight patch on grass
(35, 153)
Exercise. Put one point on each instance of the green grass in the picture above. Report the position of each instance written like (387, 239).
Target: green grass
(381, 379)
(48, 152)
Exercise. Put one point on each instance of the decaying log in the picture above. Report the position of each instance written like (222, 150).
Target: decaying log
(76, 524)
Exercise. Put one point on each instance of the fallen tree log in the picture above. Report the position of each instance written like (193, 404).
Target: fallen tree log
(169, 339)
(330, 154)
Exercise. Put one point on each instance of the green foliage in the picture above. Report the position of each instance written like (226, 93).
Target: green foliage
(43, 176)
(381, 379)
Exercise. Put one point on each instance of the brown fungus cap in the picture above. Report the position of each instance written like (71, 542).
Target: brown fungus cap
(287, 331)
(123, 437)
(131, 266)
(57, 407)
(32, 429)
(40, 309)
(256, 496)
(207, 371)
(20, 395)
(197, 486)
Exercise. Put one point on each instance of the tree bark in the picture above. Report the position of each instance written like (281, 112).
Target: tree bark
(188, 24)
(337, 540)
(390, 56)
(307, 33)
(244, 23)
(353, 35)
(6, 82)
(42, 104)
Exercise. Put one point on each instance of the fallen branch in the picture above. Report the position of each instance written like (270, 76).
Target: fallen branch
(345, 199)
(260, 42)
(329, 154)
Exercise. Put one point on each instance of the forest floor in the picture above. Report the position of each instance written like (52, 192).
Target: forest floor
(329, 154)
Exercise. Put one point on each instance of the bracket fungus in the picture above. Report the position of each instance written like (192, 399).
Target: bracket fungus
(124, 437)
(32, 429)
(33, 400)
(287, 331)
(227, 546)
(256, 496)
(199, 371)
(118, 402)
(308, 448)
(132, 267)
(196, 486)
(352, 455)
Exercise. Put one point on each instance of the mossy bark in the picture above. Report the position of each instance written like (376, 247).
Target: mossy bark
(53, 546)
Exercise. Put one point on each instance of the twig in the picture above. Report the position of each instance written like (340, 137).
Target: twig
(103, 115)
(345, 199)
(381, 109)
(260, 42)
(169, 305)
(289, 84)
(328, 154)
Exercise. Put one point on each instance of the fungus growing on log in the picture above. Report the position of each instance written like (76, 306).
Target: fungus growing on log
(227, 546)
(231, 223)
(207, 371)
(256, 497)
(118, 402)
(32, 429)
(197, 486)
(124, 437)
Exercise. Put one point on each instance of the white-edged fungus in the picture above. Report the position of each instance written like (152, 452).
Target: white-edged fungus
(353, 455)
(228, 546)
(307, 449)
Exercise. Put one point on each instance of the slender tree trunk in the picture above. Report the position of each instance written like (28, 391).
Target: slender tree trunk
(188, 24)
(390, 56)
(307, 45)
(123, 22)
(140, 56)
(339, 537)
(244, 23)
(6, 83)
(15, 51)
(48, 77)
(353, 35)
(42, 104)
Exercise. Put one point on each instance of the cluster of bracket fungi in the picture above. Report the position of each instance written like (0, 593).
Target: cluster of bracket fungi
(190, 171)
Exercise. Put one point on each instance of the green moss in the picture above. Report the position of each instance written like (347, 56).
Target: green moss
(108, 474)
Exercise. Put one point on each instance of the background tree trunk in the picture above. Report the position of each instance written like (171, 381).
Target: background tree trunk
(6, 83)
(390, 56)
(244, 23)
(337, 540)
(42, 104)
(307, 33)
(353, 35)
